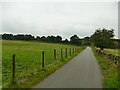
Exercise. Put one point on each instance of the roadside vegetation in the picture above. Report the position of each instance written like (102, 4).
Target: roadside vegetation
(107, 56)
(113, 51)
(110, 74)
(28, 61)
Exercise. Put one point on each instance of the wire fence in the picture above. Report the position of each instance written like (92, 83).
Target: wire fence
(20, 71)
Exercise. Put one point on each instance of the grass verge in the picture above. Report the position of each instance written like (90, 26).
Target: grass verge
(110, 74)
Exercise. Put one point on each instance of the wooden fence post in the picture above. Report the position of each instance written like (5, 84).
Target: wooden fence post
(55, 55)
(13, 66)
(43, 60)
(66, 52)
(73, 50)
(70, 51)
(61, 54)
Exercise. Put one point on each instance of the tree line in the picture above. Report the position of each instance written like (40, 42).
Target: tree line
(75, 40)
(101, 38)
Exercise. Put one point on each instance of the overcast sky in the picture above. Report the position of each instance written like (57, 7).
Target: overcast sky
(58, 18)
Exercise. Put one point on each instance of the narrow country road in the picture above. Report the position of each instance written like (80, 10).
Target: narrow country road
(81, 72)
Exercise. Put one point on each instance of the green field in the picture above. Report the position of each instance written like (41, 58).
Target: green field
(28, 60)
(113, 51)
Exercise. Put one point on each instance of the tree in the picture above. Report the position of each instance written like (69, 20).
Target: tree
(7, 36)
(0, 36)
(75, 40)
(51, 38)
(58, 39)
(86, 41)
(43, 38)
(102, 38)
(38, 38)
(65, 41)
(28, 37)
(24, 37)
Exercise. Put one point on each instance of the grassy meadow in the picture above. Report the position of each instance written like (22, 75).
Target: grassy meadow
(28, 61)
(113, 51)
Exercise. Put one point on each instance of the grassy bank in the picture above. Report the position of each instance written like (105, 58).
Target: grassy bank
(110, 74)
(28, 61)
(113, 51)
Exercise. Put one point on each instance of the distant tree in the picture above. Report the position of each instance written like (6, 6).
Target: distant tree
(102, 38)
(48, 39)
(19, 37)
(38, 38)
(0, 36)
(51, 38)
(43, 38)
(86, 41)
(58, 39)
(7, 36)
(116, 44)
(75, 40)
(65, 41)
(28, 37)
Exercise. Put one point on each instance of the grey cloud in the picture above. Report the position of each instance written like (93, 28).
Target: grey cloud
(63, 19)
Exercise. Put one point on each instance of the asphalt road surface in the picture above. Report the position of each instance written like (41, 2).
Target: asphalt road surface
(81, 72)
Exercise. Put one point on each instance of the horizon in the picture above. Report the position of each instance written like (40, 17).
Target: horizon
(51, 35)
(44, 35)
